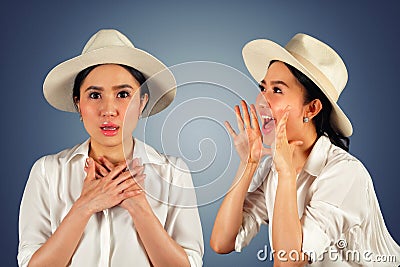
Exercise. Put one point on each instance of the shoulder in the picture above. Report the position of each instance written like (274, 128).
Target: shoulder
(339, 160)
(342, 178)
(150, 155)
(51, 161)
(326, 157)
(174, 173)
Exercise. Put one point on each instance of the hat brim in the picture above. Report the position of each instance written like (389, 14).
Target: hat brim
(257, 56)
(58, 85)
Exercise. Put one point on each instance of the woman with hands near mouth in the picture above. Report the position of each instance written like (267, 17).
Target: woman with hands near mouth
(112, 200)
(317, 198)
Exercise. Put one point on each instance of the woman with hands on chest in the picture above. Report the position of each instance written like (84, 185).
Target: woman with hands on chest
(112, 200)
(318, 199)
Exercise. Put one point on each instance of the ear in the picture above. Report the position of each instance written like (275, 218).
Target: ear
(143, 102)
(313, 108)
(76, 101)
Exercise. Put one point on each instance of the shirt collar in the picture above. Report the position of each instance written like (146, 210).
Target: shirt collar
(79, 150)
(318, 156)
(146, 153)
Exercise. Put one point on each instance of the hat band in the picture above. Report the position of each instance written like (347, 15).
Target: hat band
(318, 77)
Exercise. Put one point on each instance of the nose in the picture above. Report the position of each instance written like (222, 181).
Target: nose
(108, 109)
(263, 100)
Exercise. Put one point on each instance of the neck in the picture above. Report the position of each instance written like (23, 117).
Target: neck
(302, 152)
(114, 154)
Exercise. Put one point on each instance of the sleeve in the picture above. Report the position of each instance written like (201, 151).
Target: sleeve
(254, 214)
(183, 220)
(34, 216)
(337, 206)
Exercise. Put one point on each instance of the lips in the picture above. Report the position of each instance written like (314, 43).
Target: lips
(109, 129)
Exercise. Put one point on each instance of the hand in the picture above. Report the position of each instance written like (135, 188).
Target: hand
(284, 150)
(248, 143)
(107, 192)
(137, 175)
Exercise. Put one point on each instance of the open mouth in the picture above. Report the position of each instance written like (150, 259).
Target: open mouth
(109, 129)
(267, 124)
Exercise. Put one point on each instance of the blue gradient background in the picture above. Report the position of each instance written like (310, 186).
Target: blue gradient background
(37, 35)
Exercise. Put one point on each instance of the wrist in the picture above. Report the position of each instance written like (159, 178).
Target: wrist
(137, 206)
(245, 172)
(80, 207)
(289, 175)
(248, 165)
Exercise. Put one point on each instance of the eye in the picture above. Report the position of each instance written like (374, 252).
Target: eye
(277, 90)
(261, 88)
(94, 95)
(123, 94)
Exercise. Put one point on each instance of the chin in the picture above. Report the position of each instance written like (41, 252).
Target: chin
(107, 141)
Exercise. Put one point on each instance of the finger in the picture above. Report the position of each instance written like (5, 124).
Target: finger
(132, 164)
(139, 179)
(102, 171)
(117, 170)
(288, 108)
(136, 171)
(128, 194)
(132, 188)
(296, 143)
(131, 183)
(282, 123)
(122, 177)
(230, 129)
(239, 119)
(91, 170)
(98, 176)
(254, 119)
(246, 116)
(106, 163)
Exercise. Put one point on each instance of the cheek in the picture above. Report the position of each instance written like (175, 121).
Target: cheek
(133, 107)
(131, 113)
(295, 115)
(87, 110)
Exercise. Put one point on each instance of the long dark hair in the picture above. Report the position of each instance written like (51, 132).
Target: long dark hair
(322, 120)
(84, 73)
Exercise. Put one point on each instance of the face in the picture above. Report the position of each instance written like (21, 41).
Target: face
(279, 89)
(107, 95)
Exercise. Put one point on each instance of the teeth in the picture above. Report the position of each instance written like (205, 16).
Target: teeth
(267, 117)
(109, 128)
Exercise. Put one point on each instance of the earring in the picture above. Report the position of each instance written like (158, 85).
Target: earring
(140, 116)
(80, 117)
(306, 119)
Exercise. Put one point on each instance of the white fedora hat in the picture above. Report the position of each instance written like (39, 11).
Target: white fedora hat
(313, 58)
(109, 46)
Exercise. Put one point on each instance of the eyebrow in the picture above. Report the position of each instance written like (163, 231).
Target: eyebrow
(275, 83)
(117, 87)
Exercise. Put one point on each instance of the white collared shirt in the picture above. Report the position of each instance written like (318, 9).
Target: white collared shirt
(110, 238)
(336, 201)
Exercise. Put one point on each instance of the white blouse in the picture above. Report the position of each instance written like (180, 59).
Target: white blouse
(341, 221)
(110, 238)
